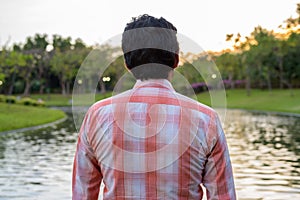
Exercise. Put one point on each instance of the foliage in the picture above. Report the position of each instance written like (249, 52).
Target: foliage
(264, 59)
(31, 102)
(10, 99)
(23, 101)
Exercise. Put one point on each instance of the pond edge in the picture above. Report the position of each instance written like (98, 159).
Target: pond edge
(287, 114)
(34, 127)
(67, 109)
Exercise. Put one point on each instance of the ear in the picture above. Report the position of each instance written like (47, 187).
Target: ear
(176, 61)
(170, 75)
(127, 67)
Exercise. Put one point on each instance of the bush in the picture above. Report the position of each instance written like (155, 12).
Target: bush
(32, 102)
(11, 99)
(39, 102)
(26, 101)
(2, 98)
(42, 104)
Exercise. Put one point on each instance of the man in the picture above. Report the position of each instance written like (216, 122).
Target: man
(151, 142)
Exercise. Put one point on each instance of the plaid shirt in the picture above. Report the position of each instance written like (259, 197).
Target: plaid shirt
(152, 143)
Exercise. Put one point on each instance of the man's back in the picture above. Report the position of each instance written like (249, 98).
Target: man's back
(152, 143)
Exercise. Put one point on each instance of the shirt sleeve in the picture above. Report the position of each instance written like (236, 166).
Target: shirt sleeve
(218, 176)
(87, 175)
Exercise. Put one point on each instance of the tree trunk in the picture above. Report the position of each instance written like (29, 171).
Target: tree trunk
(68, 87)
(42, 87)
(102, 87)
(27, 87)
(40, 77)
(232, 86)
(281, 80)
(261, 76)
(11, 87)
(248, 86)
(248, 82)
(27, 83)
(269, 82)
(63, 87)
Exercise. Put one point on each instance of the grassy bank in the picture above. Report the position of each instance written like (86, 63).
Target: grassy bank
(62, 100)
(277, 100)
(14, 116)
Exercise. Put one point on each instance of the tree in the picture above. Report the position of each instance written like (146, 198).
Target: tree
(288, 50)
(102, 61)
(241, 49)
(36, 47)
(61, 44)
(290, 60)
(63, 65)
(14, 62)
(26, 72)
(2, 71)
(230, 66)
(264, 58)
(66, 60)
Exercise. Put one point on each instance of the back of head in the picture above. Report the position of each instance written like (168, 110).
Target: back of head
(150, 47)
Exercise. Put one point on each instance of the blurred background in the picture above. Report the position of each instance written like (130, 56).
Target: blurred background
(253, 46)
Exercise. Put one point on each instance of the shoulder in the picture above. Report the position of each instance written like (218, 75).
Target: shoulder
(100, 104)
(108, 102)
(189, 103)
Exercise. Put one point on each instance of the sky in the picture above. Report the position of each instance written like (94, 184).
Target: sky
(96, 21)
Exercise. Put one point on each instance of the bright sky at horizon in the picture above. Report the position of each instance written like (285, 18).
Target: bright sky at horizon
(205, 22)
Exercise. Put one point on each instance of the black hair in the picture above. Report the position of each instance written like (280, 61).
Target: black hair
(158, 40)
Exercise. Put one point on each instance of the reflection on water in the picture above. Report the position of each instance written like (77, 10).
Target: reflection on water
(37, 164)
(265, 152)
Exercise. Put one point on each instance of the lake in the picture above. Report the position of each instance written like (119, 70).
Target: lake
(264, 148)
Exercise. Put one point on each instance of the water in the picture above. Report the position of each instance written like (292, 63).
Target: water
(265, 153)
(38, 164)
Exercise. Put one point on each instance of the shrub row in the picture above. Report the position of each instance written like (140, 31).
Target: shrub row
(25, 101)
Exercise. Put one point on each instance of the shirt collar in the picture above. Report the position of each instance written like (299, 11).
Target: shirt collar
(156, 83)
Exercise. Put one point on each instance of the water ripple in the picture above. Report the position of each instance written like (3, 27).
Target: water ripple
(265, 153)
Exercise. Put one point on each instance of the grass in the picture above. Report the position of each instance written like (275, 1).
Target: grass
(54, 99)
(277, 100)
(62, 100)
(14, 116)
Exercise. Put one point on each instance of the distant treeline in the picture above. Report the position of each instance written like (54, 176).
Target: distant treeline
(266, 59)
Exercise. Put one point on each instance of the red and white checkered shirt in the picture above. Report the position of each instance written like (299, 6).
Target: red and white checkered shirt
(152, 143)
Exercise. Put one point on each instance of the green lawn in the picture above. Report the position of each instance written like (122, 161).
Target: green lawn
(62, 100)
(14, 116)
(277, 100)
(53, 99)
